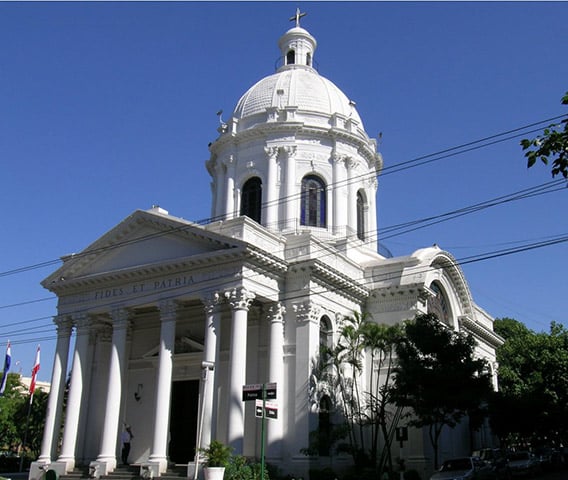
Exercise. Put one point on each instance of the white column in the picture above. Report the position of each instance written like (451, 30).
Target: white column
(74, 399)
(107, 455)
(230, 189)
(219, 191)
(211, 357)
(339, 186)
(270, 191)
(351, 198)
(373, 233)
(291, 197)
(158, 455)
(239, 300)
(276, 374)
(55, 399)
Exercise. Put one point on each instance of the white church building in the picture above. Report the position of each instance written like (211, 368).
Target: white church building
(170, 319)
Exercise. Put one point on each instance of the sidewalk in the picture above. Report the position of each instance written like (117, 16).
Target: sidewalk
(16, 475)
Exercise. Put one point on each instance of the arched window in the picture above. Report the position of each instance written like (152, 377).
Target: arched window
(291, 57)
(324, 427)
(438, 304)
(361, 208)
(309, 59)
(326, 332)
(313, 208)
(251, 198)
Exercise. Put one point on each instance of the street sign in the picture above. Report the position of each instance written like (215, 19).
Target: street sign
(253, 391)
(402, 434)
(270, 390)
(270, 409)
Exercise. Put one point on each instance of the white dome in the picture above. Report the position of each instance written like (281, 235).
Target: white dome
(300, 87)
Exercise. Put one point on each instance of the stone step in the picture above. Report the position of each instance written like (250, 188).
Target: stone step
(129, 472)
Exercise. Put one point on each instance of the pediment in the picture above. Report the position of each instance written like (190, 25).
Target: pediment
(143, 239)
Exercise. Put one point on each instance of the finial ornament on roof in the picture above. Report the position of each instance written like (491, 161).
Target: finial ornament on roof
(297, 17)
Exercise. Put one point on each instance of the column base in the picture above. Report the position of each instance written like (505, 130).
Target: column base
(38, 469)
(102, 466)
(153, 468)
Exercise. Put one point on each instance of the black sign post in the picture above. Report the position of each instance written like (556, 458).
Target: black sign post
(260, 393)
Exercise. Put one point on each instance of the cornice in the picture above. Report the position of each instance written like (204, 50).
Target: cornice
(131, 274)
(259, 131)
(480, 331)
(333, 279)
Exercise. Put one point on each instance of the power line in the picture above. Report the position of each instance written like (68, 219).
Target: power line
(404, 228)
(449, 152)
(300, 293)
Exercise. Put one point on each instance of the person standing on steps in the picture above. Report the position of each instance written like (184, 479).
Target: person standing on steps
(126, 438)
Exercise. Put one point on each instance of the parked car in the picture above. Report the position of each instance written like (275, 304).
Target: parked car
(464, 468)
(523, 463)
(498, 461)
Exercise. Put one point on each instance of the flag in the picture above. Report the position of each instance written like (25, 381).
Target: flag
(7, 362)
(34, 373)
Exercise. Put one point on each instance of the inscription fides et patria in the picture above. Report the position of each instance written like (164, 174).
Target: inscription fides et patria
(147, 287)
(144, 287)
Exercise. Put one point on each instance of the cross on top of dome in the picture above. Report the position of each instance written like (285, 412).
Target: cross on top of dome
(297, 17)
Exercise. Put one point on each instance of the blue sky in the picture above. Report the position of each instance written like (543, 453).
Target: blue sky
(108, 107)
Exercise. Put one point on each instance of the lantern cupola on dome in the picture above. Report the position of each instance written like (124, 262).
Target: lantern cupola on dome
(291, 133)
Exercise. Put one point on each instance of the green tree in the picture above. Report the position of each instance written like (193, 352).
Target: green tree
(30, 422)
(552, 145)
(10, 403)
(533, 383)
(438, 376)
(357, 371)
(14, 407)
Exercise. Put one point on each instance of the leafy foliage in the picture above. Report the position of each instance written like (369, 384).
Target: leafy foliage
(241, 468)
(217, 454)
(357, 372)
(551, 145)
(533, 383)
(15, 424)
(438, 376)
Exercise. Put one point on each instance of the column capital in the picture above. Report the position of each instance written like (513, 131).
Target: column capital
(211, 302)
(275, 312)
(307, 312)
(290, 150)
(81, 320)
(120, 316)
(229, 160)
(337, 158)
(351, 162)
(64, 324)
(239, 298)
(271, 152)
(168, 310)
(100, 331)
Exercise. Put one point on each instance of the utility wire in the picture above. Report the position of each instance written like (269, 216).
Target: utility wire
(453, 151)
(300, 293)
(525, 193)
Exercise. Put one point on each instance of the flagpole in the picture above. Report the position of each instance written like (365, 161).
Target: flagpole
(26, 433)
(35, 369)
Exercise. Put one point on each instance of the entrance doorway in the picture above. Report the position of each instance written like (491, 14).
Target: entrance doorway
(183, 421)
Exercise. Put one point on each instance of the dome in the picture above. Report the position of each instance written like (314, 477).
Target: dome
(302, 88)
(298, 89)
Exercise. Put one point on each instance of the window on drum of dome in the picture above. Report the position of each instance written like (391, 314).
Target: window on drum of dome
(313, 207)
(251, 198)
(309, 59)
(291, 57)
(438, 304)
(361, 207)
